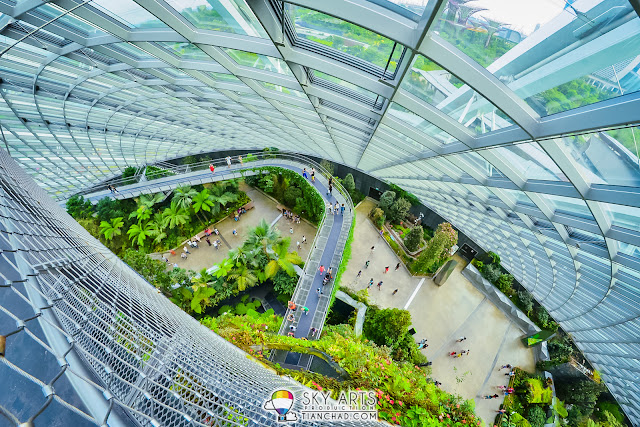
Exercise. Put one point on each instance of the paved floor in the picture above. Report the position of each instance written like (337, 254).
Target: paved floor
(264, 208)
(442, 315)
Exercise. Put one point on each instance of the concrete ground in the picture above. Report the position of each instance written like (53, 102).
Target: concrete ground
(442, 315)
(264, 208)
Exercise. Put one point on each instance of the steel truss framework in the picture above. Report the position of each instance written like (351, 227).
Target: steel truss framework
(92, 87)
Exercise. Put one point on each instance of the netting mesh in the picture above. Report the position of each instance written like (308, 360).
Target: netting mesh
(85, 340)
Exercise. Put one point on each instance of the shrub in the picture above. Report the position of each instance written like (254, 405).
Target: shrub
(414, 238)
(128, 175)
(78, 207)
(611, 407)
(386, 200)
(284, 284)
(431, 254)
(349, 183)
(377, 216)
(491, 272)
(542, 316)
(449, 236)
(536, 416)
(327, 165)
(526, 301)
(495, 258)
(291, 194)
(505, 282)
(399, 210)
(477, 264)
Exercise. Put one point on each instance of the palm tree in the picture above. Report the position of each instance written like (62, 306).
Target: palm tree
(220, 197)
(282, 259)
(203, 279)
(201, 299)
(202, 201)
(158, 226)
(183, 196)
(111, 229)
(175, 216)
(224, 268)
(143, 213)
(139, 233)
(263, 236)
(243, 276)
(150, 200)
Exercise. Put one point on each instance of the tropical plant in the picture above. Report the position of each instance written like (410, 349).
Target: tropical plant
(504, 283)
(157, 226)
(526, 301)
(220, 197)
(243, 277)
(386, 200)
(139, 232)
(151, 200)
(536, 416)
(263, 236)
(78, 207)
(175, 216)
(203, 201)
(491, 272)
(201, 299)
(399, 210)
(349, 183)
(284, 284)
(377, 216)
(108, 208)
(143, 212)
(282, 259)
(111, 229)
(224, 268)
(431, 253)
(183, 197)
(327, 165)
(414, 238)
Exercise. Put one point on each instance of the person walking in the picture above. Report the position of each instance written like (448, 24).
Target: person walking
(373, 248)
(319, 291)
(386, 270)
(291, 230)
(461, 339)
(298, 244)
(330, 189)
(394, 292)
(186, 251)
(215, 244)
(336, 208)
(313, 175)
(305, 310)
(508, 366)
(359, 274)
(212, 168)
(397, 266)
(304, 173)
(304, 240)
(240, 160)
(321, 269)
(228, 159)
(330, 272)
(110, 187)
(370, 283)
(467, 353)
(208, 241)
(183, 255)
(234, 232)
(379, 284)
(366, 264)
(342, 209)
(330, 207)
(330, 180)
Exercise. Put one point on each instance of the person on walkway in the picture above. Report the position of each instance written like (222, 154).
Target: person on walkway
(207, 232)
(359, 274)
(461, 339)
(292, 328)
(386, 270)
(321, 269)
(228, 159)
(313, 331)
(197, 238)
(330, 189)
(501, 411)
(508, 366)
(234, 232)
(336, 208)
(422, 344)
(290, 317)
(298, 244)
(304, 240)
(366, 264)
(372, 249)
(370, 283)
(291, 230)
(215, 244)
(330, 207)
(511, 373)
(394, 292)
(110, 187)
(330, 181)
(379, 284)
(502, 387)
(313, 175)
(208, 241)
(453, 354)
(304, 173)
(194, 244)
(291, 305)
(186, 251)
(215, 230)
(175, 265)
(330, 273)
(305, 310)
(319, 291)
(397, 266)
(212, 168)
(467, 353)
(240, 160)
(183, 255)
(342, 209)
(218, 244)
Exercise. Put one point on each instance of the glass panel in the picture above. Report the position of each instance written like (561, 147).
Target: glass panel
(344, 36)
(412, 119)
(622, 216)
(530, 161)
(231, 16)
(345, 84)
(414, 7)
(608, 157)
(186, 51)
(249, 59)
(555, 55)
(567, 205)
(438, 87)
(130, 50)
(129, 13)
(480, 163)
(278, 88)
(225, 77)
(69, 19)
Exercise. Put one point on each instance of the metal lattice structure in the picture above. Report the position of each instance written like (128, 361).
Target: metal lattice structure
(518, 125)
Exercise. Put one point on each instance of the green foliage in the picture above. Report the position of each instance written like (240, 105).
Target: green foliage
(542, 316)
(291, 195)
(505, 283)
(560, 409)
(612, 408)
(582, 392)
(399, 210)
(437, 250)
(108, 208)
(79, 208)
(327, 165)
(128, 175)
(349, 183)
(414, 238)
(386, 200)
(536, 416)
(284, 284)
(111, 229)
(574, 416)
(153, 172)
(526, 301)
(495, 258)
(491, 272)
(385, 326)
(378, 217)
(405, 195)
(537, 392)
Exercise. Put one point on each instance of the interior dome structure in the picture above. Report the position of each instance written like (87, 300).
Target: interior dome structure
(514, 120)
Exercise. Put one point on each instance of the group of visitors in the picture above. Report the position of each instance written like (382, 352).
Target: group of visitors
(506, 390)
(290, 216)
(113, 189)
(228, 159)
(239, 212)
(333, 209)
(385, 270)
(308, 175)
(460, 353)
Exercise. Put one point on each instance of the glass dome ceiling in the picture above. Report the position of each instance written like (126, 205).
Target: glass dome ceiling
(512, 119)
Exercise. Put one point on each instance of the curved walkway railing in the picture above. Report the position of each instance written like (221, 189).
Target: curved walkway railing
(101, 345)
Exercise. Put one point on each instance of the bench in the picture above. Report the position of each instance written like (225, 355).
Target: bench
(249, 205)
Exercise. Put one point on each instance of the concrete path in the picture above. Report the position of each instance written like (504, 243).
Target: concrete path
(442, 315)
